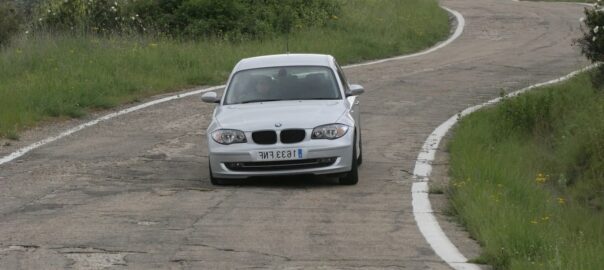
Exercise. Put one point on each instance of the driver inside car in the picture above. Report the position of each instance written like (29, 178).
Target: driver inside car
(261, 88)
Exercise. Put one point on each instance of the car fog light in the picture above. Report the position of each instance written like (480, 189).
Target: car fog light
(327, 160)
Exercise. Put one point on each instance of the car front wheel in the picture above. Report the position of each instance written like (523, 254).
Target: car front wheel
(352, 177)
(360, 159)
(215, 180)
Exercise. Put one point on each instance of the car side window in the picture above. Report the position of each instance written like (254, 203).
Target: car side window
(342, 77)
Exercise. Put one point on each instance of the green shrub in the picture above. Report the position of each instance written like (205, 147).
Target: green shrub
(9, 22)
(211, 17)
(592, 41)
(157, 15)
(191, 19)
(27, 7)
(233, 19)
(97, 16)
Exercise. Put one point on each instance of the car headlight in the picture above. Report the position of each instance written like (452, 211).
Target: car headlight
(330, 132)
(228, 136)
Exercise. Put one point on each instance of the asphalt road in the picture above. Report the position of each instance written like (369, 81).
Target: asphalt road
(134, 192)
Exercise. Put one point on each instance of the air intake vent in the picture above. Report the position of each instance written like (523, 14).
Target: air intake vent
(292, 135)
(298, 164)
(264, 137)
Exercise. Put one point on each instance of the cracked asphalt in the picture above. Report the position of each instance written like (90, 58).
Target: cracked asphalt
(133, 192)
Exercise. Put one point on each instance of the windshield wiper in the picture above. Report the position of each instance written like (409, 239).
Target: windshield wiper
(260, 100)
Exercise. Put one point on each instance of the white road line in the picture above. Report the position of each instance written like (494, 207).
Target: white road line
(422, 210)
(22, 151)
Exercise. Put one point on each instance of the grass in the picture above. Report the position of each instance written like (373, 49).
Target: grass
(47, 76)
(529, 178)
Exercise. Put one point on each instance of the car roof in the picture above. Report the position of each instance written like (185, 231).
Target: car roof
(278, 60)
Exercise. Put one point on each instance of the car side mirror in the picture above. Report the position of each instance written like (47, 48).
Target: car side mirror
(355, 90)
(210, 97)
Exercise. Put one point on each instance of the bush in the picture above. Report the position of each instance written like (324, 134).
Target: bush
(191, 19)
(9, 22)
(592, 41)
(98, 16)
(158, 15)
(211, 17)
(233, 19)
(26, 7)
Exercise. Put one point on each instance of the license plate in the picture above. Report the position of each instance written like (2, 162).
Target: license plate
(281, 154)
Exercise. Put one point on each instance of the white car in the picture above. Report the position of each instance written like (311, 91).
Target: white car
(284, 115)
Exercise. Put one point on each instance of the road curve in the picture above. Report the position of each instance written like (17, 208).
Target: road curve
(133, 192)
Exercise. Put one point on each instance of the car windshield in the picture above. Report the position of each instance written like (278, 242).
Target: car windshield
(282, 83)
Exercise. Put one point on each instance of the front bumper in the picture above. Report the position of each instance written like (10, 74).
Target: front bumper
(320, 157)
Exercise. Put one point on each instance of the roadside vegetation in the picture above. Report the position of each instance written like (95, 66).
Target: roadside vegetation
(78, 57)
(529, 172)
(529, 178)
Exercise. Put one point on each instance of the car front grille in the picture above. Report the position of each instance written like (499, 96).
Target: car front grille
(292, 135)
(282, 165)
(264, 137)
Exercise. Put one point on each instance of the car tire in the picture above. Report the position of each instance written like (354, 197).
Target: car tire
(360, 159)
(352, 177)
(215, 180)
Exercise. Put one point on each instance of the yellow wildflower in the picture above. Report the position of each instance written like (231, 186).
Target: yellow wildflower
(541, 178)
(561, 200)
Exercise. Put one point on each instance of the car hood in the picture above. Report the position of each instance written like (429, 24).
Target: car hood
(290, 114)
